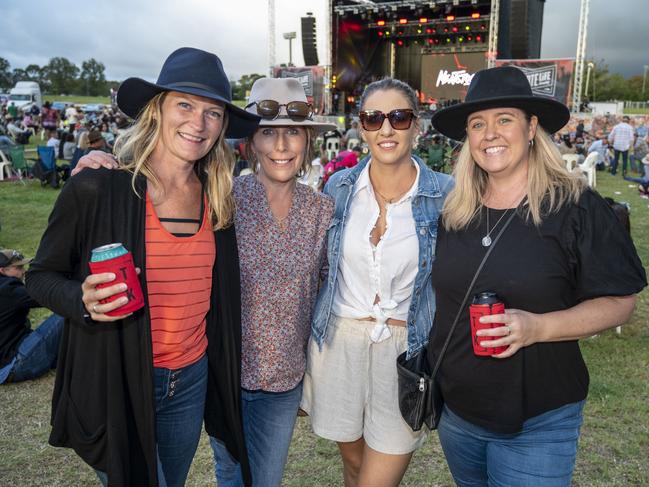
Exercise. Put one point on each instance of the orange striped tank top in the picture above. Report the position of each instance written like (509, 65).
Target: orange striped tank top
(179, 282)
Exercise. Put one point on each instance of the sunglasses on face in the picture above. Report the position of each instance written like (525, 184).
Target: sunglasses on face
(400, 119)
(297, 111)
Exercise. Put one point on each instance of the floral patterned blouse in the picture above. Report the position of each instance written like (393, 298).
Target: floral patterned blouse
(280, 273)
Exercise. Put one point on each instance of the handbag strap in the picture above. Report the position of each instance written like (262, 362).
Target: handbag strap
(468, 291)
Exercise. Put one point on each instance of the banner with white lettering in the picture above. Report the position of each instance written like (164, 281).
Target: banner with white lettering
(547, 77)
(446, 76)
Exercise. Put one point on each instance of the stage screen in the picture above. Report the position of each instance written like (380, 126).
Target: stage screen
(446, 76)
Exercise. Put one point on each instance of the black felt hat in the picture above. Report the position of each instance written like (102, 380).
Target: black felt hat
(191, 71)
(505, 86)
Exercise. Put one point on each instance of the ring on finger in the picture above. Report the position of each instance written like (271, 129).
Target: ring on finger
(94, 308)
(509, 330)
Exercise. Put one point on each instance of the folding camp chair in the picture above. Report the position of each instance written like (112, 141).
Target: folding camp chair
(18, 162)
(45, 169)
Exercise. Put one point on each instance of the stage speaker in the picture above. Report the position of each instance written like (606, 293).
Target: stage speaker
(521, 23)
(309, 46)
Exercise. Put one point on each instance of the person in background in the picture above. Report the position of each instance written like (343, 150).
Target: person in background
(640, 150)
(96, 142)
(621, 137)
(49, 120)
(565, 269)
(601, 147)
(69, 146)
(376, 301)
(132, 390)
(25, 354)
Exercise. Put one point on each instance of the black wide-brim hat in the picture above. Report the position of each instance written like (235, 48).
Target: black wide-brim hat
(505, 86)
(192, 71)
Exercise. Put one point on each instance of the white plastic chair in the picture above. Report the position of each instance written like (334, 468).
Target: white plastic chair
(5, 165)
(245, 171)
(571, 160)
(351, 143)
(332, 147)
(588, 167)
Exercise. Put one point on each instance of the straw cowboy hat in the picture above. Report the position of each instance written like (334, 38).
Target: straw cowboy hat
(192, 71)
(283, 91)
(505, 86)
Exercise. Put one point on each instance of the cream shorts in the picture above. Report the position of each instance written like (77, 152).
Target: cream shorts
(350, 388)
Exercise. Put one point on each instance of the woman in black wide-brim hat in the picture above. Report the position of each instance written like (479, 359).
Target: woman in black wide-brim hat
(564, 268)
(131, 391)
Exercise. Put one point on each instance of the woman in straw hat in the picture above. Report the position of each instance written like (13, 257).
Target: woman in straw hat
(281, 230)
(564, 267)
(376, 301)
(131, 389)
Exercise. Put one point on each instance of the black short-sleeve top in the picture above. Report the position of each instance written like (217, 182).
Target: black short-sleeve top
(577, 253)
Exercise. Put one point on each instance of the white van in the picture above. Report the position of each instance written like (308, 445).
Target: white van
(26, 94)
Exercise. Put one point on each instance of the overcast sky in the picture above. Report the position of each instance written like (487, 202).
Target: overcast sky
(133, 37)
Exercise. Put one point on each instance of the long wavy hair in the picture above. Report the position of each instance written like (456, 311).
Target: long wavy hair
(309, 151)
(134, 147)
(549, 184)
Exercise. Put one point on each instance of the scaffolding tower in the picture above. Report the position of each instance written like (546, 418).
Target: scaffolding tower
(492, 49)
(580, 59)
(271, 36)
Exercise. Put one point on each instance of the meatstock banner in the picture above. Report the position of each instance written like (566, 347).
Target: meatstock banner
(446, 76)
(548, 77)
(312, 80)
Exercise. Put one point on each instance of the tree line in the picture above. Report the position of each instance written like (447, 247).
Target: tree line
(60, 76)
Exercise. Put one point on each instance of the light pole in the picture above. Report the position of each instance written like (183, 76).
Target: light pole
(290, 36)
(644, 78)
(590, 66)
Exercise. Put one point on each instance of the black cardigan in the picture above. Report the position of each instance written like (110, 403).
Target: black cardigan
(103, 405)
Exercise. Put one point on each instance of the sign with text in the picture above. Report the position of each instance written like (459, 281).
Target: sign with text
(446, 76)
(547, 77)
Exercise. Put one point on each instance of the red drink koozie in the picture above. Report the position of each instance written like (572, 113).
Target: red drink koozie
(485, 304)
(116, 259)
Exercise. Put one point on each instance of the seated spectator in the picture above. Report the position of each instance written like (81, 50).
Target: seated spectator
(352, 133)
(24, 353)
(344, 160)
(96, 141)
(20, 133)
(54, 141)
(69, 147)
(601, 147)
(108, 136)
(644, 180)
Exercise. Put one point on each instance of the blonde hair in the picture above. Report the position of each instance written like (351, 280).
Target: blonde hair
(136, 144)
(309, 150)
(549, 184)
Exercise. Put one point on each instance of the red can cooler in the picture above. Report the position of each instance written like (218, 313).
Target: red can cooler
(116, 259)
(485, 304)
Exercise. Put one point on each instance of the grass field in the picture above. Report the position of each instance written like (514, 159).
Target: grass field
(614, 446)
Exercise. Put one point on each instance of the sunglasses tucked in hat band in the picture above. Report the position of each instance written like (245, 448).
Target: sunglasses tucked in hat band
(297, 111)
(400, 119)
(283, 102)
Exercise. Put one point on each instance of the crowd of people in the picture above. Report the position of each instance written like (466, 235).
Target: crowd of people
(313, 300)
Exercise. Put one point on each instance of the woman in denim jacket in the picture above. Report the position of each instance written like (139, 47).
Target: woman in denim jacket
(376, 301)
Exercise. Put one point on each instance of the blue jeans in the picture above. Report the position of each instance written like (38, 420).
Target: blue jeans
(179, 407)
(616, 158)
(542, 454)
(268, 422)
(37, 352)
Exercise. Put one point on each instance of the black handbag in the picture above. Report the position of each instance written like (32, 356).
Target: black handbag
(420, 397)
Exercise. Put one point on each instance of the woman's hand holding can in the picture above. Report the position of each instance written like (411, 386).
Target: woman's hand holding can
(92, 295)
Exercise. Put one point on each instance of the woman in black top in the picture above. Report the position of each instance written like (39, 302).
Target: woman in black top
(564, 267)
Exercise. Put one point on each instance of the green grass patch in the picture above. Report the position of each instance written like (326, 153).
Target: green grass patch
(77, 99)
(636, 111)
(614, 445)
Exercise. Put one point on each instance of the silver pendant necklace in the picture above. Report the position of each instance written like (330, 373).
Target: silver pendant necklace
(486, 240)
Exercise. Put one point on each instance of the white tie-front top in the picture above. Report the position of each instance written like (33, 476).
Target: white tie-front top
(386, 270)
